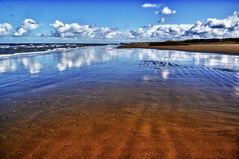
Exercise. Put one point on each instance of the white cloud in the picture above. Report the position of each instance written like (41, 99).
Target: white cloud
(27, 26)
(86, 31)
(166, 11)
(57, 24)
(211, 28)
(150, 5)
(162, 32)
(158, 32)
(216, 28)
(229, 22)
(5, 29)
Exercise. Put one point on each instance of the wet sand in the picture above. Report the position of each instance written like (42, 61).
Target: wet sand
(121, 125)
(231, 49)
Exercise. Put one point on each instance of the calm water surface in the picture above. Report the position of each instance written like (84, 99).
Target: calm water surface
(21, 75)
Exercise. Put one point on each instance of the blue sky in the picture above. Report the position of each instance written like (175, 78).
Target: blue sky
(123, 14)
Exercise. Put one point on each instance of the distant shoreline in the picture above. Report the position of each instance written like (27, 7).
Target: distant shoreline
(231, 49)
(220, 46)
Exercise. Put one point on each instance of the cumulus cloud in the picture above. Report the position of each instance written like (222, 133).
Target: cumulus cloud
(150, 5)
(86, 31)
(162, 32)
(216, 28)
(166, 11)
(27, 26)
(211, 28)
(147, 32)
(5, 29)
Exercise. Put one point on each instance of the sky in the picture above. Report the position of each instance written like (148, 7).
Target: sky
(135, 20)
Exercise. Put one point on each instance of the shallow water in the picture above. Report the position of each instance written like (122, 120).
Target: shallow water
(189, 90)
(31, 72)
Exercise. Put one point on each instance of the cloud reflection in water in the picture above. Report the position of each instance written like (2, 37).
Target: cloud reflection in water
(82, 57)
(32, 66)
(87, 56)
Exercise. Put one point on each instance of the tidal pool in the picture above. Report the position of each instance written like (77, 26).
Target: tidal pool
(103, 102)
